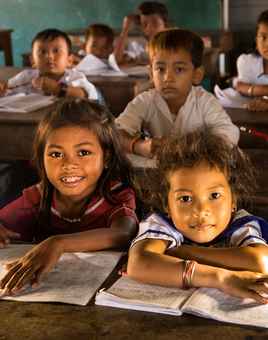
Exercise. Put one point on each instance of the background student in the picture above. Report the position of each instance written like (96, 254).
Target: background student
(84, 201)
(197, 236)
(174, 106)
(51, 73)
(252, 68)
(152, 17)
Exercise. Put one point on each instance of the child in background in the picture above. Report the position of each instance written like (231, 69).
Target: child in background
(252, 68)
(195, 236)
(84, 201)
(51, 59)
(174, 106)
(152, 17)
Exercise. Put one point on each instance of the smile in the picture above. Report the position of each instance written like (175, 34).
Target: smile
(71, 179)
(202, 227)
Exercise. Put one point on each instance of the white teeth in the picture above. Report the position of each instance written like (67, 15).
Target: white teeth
(71, 179)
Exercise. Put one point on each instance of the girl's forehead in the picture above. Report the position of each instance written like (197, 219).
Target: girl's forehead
(74, 132)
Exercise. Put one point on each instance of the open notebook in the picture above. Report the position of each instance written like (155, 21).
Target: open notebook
(74, 279)
(91, 65)
(24, 102)
(205, 302)
(231, 98)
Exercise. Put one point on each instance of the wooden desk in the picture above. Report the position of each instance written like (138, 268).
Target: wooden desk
(244, 117)
(47, 321)
(119, 91)
(6, 46)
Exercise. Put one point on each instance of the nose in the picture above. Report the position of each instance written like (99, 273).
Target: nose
(201, 210)
(169, 76)
(69, 163)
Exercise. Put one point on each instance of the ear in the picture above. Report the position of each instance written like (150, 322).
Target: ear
(70, 60)
(32, 61)
(198, 75)
(234, 204)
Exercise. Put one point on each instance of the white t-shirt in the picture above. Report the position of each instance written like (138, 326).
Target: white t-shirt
(22, 82)
(250, 69)
(245, 229)
(150, 111)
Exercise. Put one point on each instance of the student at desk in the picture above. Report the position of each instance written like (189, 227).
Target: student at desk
(50, 75)
(252, 80)
(174, 106)
(84, 201)
(197, 235)
(152, 17)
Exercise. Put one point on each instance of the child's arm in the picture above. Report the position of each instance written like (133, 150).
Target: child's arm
(253, 257)
(42, 258)
(252, 90)
(53, 87)
(148, 263)
(3, 88)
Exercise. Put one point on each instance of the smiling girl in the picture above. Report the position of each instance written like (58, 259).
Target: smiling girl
(83, 202)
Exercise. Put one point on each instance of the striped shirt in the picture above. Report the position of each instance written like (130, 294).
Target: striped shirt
(21, 215)
(245, 229)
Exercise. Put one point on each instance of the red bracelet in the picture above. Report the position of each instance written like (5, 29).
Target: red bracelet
(187, 274)
(132, 143)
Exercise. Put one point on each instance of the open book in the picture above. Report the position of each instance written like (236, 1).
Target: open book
(205, 302)
(75, 278)
(25, 102)
(91, 65)
(230, 97)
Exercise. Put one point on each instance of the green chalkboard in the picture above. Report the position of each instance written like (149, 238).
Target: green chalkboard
(27, 17)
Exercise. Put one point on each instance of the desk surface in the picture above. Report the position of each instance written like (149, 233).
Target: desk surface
(35, 321)
(242, 117)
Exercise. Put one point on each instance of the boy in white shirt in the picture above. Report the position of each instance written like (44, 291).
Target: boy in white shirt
(174, 106)
(50, 75)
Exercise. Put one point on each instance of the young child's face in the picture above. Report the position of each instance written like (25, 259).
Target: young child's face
(200, 202)
(99, 47)
(262, 40)
(151, 24)
(74, 162)
(51, 57)
(173, 74)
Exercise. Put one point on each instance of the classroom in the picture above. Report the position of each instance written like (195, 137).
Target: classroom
(133, 169)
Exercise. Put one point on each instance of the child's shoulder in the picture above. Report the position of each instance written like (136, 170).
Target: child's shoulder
(248, 58)
(32, 195)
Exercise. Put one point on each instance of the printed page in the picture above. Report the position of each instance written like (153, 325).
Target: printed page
(230, 97)
(214, 304)
(129, 294)
(91, 65)
(74, 279)
(25, 103)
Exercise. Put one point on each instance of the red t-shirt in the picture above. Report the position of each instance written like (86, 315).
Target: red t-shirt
(21, 215)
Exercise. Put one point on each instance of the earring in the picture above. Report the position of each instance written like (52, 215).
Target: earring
(233, 209)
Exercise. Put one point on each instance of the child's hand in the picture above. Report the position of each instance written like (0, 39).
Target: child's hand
(31, 267)
(3, 88)
(258, 104)
(6, 235)
(129, 22)
(47, 85)
(245, 284)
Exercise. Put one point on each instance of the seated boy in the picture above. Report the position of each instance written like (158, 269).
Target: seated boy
(50, 75)
(152, 17)
(174, 106)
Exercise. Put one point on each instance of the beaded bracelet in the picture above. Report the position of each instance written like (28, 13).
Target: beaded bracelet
(187, 274)
(250, 90)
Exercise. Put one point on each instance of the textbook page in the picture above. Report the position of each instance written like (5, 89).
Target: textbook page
(129, 294)
(25, 102)
(230, 97)
(74, 280)
(214, 304)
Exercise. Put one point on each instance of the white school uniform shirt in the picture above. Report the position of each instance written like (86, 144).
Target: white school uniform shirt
(22, 82)
(150, 111)
(243, 234)
(250, 69)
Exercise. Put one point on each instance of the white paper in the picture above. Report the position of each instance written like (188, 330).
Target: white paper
(214, 304)
(25, 102)
(74, 279)
(129, 294)
(230, 97)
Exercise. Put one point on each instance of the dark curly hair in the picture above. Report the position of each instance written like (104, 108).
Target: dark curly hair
(201, 145)
(87, 114)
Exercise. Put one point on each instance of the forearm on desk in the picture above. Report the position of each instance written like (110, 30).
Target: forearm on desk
(252, 90)
(252, 258)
